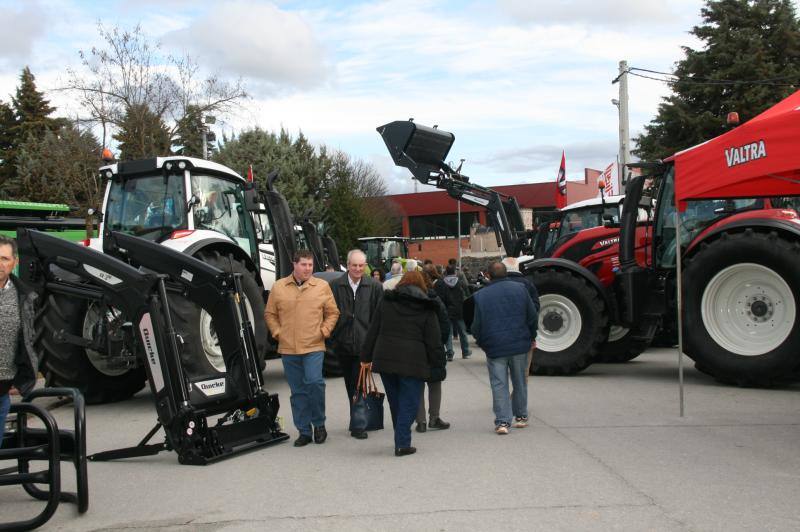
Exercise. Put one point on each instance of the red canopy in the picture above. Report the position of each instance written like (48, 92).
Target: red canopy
(759, 158)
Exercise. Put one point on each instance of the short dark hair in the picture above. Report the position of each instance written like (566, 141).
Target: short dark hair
(8, 241)
(497, 270)
(452, 262)
(450, 270)
(302, 254)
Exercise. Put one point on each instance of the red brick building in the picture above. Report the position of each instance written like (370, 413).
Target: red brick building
(430, 219)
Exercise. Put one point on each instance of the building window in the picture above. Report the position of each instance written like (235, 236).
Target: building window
(441, 225)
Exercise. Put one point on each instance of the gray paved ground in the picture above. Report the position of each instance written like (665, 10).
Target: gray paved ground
(606, 451)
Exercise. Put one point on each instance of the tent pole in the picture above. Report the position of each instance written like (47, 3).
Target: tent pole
(679, 299)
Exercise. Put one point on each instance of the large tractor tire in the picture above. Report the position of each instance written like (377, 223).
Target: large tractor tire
(68, 365)
(201, 354)
(741, 321)
(622, 345)
(572, 323)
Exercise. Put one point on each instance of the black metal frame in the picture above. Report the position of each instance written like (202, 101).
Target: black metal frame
(133, 276)
(49, 443)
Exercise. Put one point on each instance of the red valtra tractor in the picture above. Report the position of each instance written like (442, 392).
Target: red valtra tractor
(740, 254)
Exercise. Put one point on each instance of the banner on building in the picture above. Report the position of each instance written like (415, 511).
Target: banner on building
(610, 177)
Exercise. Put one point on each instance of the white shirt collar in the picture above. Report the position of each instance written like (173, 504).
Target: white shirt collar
(353, 285)
(8, 284)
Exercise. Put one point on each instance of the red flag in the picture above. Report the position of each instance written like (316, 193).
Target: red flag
(561, 184)
(250, 174)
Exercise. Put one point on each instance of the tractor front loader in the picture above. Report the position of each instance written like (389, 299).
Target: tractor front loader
(205, 417)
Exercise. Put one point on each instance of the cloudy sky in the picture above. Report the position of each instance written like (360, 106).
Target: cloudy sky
(516, 81)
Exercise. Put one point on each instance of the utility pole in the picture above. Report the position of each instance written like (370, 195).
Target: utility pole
(624, 124)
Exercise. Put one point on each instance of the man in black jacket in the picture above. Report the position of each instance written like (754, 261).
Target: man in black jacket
(358, 297)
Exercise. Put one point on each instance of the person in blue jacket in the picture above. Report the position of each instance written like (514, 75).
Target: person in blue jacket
(504, 325)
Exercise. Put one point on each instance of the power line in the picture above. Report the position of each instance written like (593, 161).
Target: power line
(675, 79)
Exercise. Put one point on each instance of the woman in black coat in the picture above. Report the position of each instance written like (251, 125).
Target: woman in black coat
(403, 344)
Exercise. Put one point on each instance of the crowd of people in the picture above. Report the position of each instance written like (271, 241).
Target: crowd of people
(402, 325)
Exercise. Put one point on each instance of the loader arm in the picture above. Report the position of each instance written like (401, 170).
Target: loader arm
(423, 150)
(132, 277)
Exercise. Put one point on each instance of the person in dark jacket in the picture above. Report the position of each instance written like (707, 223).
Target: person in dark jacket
(357, 297)
(19, 360)
(404, 345)
(457, 292)
(512, 267)
(504, 325)
(432, 279)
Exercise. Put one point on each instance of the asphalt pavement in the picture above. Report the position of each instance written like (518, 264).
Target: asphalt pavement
(606, 450)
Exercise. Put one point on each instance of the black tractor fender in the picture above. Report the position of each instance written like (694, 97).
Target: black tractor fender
(225, 247)
(529, 267)
(783, 227)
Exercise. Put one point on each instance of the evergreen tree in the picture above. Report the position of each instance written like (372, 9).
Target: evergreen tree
(59, 167)
(189, 134)
(142, 134)
(7, 123)
(753, 43)
(32, 110)
(27, 116)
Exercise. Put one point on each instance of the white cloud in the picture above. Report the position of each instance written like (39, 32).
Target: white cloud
(607, 12)
(258, 41)
(20, 27)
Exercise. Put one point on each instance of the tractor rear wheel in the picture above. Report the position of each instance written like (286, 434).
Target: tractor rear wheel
(622, 345)
(201, 354)
(741, 318)
(572, 323)
(99, 377)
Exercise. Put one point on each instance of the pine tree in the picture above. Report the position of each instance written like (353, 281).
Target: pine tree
(743, 41)
(189, 134)
(32, 110)
(59, 167)
(142, 134)
(7, 123)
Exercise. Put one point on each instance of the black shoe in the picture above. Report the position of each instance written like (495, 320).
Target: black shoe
(320, 434)
(438, 424)
(422, 427)
(450, 357)
(403, 451)
(302, 441)
(359, 435)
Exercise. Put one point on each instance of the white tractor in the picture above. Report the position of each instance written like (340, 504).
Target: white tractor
(196, 207)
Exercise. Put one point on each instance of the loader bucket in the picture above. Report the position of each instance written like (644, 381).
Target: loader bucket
(421, 149)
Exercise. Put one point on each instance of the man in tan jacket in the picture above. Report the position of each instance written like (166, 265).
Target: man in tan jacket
(301, 313)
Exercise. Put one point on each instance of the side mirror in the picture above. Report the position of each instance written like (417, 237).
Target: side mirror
(251, 202)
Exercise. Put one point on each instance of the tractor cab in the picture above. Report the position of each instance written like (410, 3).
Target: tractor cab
(382, 250)
(169, 199)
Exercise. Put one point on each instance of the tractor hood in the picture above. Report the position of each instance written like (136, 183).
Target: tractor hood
(759, 158)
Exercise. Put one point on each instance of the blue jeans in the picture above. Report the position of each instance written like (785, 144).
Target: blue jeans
(304, 374)
(516, 405)
(460, 328)
(5, 404)
(403, 394)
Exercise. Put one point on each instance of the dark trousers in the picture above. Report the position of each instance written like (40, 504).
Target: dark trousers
(350, 367)
(403, 395)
